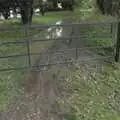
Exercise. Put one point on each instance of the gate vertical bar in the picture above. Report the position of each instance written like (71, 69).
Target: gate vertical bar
(117, 55)
(27, 45)
(114, 26)
(76, 34)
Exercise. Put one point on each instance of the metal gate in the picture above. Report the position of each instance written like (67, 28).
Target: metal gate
(36, 47)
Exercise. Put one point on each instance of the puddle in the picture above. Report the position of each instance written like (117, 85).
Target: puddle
(59, 32)
(54, 32)
(59, 22)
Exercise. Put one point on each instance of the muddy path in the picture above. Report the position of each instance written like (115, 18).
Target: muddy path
(46, 84)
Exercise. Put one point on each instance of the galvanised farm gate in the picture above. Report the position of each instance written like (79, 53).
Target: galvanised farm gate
(35, 47)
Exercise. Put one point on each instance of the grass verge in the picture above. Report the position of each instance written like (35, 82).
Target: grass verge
(93, 95)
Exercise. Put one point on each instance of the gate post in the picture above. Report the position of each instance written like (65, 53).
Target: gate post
(117, 54)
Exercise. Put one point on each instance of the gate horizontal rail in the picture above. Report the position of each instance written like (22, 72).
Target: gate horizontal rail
(41, 26)
(41, 67)
(57, 52)
(52, 39)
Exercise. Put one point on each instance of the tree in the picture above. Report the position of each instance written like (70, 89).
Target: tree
(26, 11)
(4, 8)
(26, 8)
(55, 2)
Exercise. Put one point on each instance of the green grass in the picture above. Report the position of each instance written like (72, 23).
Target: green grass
(93, 95)
(11, 84)
(52, 17)
(10, 81)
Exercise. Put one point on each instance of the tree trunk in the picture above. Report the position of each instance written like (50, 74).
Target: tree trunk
(26, 13)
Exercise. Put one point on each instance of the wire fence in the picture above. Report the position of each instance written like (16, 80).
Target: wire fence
(33, 47)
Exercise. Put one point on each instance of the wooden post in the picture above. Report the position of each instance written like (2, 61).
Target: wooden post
(118, 44)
